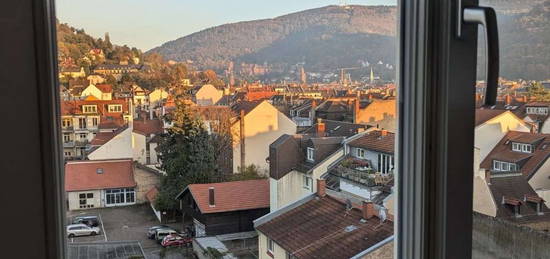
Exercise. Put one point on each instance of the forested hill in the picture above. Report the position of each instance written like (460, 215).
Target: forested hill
(333, 36)
(323, 38)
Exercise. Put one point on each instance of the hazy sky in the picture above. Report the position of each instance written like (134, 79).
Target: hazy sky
(149, 23)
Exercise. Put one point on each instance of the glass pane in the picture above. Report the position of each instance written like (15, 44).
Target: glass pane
(511, 174)
(220, 107)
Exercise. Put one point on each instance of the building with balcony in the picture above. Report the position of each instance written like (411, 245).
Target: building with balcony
(82, 120)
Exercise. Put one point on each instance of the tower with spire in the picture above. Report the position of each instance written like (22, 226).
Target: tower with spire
(371, 76)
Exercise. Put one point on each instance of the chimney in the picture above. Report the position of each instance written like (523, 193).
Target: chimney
(313, 107)
(211, 200)
(488, 176)
(368, 209)
(321, 187)
(508, 99)
(320, 128)
(242, 139)
(383, 133)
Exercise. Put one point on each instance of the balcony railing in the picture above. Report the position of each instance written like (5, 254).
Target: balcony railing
(68, 128)
(68, 144)
(82, 143)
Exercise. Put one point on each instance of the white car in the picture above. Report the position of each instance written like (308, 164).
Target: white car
(81, 230)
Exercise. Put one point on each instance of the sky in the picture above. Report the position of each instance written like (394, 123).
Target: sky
(146, 24)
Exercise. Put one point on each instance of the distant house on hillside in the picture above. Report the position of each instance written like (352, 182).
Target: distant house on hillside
(206, 95)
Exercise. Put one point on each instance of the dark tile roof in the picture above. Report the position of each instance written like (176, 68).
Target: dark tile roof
(483, 115)
(246, 106)
(337, 128)
(323, 228)
(529, 162)
(374, 140)
(104, 137)
(514, 187)
(148, 127)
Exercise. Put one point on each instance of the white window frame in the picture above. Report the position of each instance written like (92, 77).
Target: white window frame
(114, 107)
(501, 166)
(386, 163)
(361, 153)
(270, 245)
(310, 154)
(89, 108)
(307, 183)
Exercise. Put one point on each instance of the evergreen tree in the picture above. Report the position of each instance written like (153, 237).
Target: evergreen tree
(187, 155)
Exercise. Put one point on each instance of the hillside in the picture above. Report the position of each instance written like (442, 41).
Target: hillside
(323, 38)
(332, 37)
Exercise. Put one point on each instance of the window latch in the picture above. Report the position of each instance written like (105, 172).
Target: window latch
(485, 16)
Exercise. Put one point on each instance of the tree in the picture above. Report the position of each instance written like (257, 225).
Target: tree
(250, 172)
(537, 90)
(187, 155)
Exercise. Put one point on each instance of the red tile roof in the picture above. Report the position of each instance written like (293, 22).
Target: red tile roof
(232, 196)
(374, 140)
(148, 127)
(83, 175)
(75, 107)
(323, 228)
(105, 88)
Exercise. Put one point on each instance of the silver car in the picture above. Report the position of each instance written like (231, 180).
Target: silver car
(81, 230)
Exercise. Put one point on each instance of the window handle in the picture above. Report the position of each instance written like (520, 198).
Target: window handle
(485, 16)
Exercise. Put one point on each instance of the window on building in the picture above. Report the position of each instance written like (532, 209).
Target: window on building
(114, 197)
(361, 153)
(502, 166)
(115, 107)
(83, 136)
(307, 182)
(310, 153)
(86, 200)
(521, 147)
(95, 121)
(67, 137)
(385, 163)
(270, 245)
(82, 123)
(67, 123)
(89, 108)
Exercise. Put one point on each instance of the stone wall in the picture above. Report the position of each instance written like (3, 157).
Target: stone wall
(496, 238)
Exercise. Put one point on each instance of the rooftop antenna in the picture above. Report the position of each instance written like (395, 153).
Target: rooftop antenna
(343, 3)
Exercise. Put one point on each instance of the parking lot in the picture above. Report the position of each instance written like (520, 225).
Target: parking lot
(125, 224)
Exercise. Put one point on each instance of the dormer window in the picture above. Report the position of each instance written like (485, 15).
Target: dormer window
(501, 166)
(520, 147)
(89, 108)
(310, 153)
(537, 110)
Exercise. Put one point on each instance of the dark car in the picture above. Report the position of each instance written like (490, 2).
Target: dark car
(92, 221)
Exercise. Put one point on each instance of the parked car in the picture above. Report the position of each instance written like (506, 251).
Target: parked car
(162, 232)
(152, 230)
(92, 221)
(81, 230)
(176, 240)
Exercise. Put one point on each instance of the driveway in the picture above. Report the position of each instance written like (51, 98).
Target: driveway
(125, 224)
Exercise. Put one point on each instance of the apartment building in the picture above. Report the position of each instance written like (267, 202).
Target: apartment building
(81, 120)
